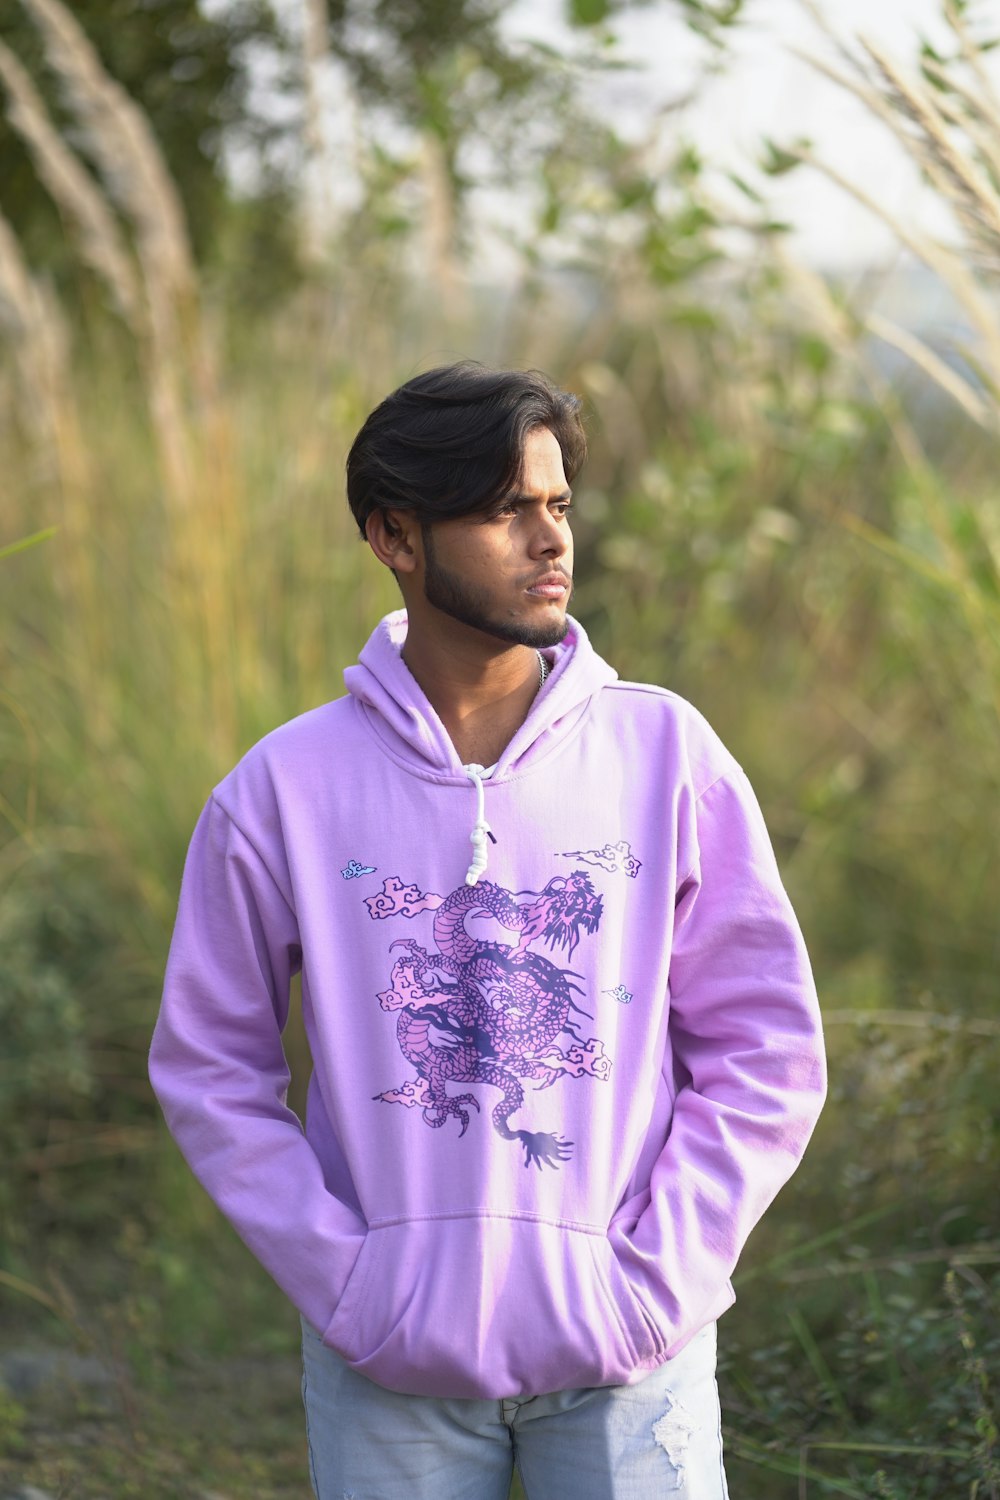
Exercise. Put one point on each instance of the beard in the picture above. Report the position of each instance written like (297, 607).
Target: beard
(473, 606)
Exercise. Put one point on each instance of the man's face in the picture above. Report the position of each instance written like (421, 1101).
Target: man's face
(509, 573)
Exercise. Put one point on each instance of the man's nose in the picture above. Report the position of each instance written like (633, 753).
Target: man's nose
(551, 537)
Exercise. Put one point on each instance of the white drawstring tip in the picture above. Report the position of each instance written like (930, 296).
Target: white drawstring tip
(477, 838)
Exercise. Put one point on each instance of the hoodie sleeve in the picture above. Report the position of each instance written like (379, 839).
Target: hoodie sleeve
(218, 1068)
(748, 1052)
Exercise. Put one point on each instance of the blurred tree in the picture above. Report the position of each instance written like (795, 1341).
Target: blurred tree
(485, 107)
(190, 72)
(447, 74)
(450, 99)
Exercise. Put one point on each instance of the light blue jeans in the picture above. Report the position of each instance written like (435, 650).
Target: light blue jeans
(660, 1437)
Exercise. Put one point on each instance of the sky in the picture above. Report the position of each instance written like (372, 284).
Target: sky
(767, 91)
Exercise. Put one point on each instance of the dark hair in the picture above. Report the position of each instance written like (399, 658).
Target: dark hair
(451, 442)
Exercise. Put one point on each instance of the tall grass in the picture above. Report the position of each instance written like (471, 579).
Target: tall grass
(762, 527)
(946, 117)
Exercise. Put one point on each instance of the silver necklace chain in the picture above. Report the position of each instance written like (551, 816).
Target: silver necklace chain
(543, 668)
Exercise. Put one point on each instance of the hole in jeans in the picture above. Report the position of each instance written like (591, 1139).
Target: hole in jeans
(672, 1432)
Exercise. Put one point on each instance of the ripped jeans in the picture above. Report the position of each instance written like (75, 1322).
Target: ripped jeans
(660, 1437)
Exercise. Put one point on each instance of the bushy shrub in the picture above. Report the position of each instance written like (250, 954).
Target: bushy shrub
(71, 1086)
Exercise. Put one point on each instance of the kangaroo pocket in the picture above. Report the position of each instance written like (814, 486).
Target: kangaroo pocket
(490, 1308)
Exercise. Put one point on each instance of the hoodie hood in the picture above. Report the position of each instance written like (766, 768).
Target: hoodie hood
(411, 731)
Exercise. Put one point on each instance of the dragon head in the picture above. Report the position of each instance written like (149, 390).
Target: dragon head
(566, 907)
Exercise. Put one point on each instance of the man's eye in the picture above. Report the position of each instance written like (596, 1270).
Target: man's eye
(513, 508)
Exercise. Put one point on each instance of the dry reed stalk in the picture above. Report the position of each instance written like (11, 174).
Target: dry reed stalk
(841, 328)
(972, 55)
(315, 53)
(954, 171)
(36, 1293)
(617, 407)
(954, 573)
(967, 115)
(122, 143)
(41, 346)
(943, 140)
(40, 341)
(923, 356)
(188, 418)
(18, 290)
(954, 142)
(439, 224)
(24, 825)
(940, 258)
(72, 188)
(125, 148)
(317, 212)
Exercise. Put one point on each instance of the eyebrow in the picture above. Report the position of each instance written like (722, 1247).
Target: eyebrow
(530, 499)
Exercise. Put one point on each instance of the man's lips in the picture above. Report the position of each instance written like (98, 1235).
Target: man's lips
(550, 586)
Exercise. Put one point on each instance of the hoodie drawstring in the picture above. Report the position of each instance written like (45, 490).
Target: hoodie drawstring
(480, 829)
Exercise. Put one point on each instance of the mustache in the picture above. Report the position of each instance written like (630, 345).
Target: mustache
(559, 573)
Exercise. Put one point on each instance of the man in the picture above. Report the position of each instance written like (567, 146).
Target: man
(565, 1039)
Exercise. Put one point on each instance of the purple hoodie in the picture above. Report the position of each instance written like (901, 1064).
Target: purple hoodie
(549, 1104)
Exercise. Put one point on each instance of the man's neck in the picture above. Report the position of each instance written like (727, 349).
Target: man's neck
(482, 696)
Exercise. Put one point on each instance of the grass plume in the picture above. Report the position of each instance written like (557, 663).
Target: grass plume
(71, 187)
(122, 143)
(40, 342)
(949, 127)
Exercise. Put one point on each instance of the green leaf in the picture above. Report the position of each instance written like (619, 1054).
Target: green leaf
(780, 159)
(27, 541)
(692, 316)
(744, 187)
(588, 12)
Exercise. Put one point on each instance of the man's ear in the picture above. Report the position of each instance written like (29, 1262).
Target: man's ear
(392, 535)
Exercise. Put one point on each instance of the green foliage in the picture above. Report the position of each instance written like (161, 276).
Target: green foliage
(69, 1075)
(588, 12)
(887, 1394)
(510, 114)
(708, 19)
(48, 958)
(446, 70)
(13, 1420)
(396, 52)
(777, 160)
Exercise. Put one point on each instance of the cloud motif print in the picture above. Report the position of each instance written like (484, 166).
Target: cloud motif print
(613, 857)
(483, 1012)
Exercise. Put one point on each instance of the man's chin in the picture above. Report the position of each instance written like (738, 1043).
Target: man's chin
(535, 627)
(535, 633)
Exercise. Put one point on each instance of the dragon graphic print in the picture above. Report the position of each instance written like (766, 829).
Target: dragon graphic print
(501, 1013)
